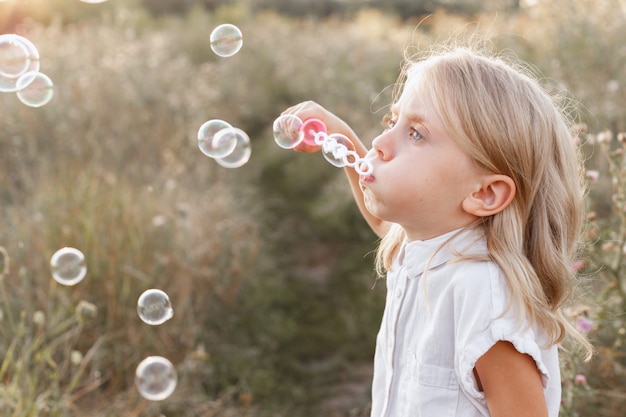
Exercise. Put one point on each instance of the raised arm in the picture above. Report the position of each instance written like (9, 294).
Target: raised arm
(334, 124)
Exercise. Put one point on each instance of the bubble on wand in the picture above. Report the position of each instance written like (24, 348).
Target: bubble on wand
(339, 150)
(290, 131)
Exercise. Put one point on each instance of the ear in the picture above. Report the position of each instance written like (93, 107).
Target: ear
(493, 194)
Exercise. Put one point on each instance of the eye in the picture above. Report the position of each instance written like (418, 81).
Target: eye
(388, 122)
(415, 135)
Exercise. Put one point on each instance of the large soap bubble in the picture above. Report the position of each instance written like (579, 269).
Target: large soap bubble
(155, 378)
(226, 40)
(18, 55)
(216, 146)
(14, 56)
(154, 307)
(241, 154)
(34, 89)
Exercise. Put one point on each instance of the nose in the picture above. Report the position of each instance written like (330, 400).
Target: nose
(382, 146)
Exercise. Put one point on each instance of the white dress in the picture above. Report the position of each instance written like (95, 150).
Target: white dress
(441, 315)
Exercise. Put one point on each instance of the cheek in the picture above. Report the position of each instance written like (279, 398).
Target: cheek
(371, 153)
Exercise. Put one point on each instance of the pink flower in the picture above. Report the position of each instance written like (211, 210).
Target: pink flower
(584, 324)
(580, 379)
(578, 265)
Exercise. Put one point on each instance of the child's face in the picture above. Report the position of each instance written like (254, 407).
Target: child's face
(421, 176)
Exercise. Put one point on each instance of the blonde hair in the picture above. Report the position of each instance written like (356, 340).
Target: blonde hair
(502, 117)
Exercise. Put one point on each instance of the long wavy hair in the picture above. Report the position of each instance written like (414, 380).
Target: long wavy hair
(498, 112)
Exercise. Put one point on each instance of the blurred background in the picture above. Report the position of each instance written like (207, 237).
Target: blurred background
(269, 266)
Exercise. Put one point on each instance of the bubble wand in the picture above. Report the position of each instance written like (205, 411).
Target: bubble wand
(290, 131)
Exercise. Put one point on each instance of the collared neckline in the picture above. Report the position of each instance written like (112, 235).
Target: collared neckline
(419, 255)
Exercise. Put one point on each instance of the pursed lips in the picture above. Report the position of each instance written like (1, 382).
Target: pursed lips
(366, 179)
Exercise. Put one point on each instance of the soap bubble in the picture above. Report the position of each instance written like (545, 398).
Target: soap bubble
(14, 57)
(155, 378)
(68, 266)
(17, 63)
(287, 133)
(35, 89)
(226, 40)
(241, 154)
(214, 147)
(154, 307)
(93, 1)
(339, 150)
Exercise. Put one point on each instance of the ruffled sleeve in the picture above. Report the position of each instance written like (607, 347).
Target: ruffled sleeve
(523, 343)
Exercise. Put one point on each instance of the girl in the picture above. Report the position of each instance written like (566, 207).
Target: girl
(477, 197)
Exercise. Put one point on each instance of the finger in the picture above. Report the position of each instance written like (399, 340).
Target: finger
(306, 148)
(295, 109)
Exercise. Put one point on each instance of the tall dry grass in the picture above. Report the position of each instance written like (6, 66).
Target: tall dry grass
(111, 167)
(264, 264)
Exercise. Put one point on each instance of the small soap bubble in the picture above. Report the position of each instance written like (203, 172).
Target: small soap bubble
(155, 378)
(287, 131)
(339, 150)
(35, 89)
(226, 40)
(216, 147)
(18, 63)
(242, 152)
(154, 307)
(68, 266)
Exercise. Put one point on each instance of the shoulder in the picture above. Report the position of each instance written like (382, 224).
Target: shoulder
(478, 298)
(474, 281)
(469, 268)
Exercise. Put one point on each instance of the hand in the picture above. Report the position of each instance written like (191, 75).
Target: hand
(310, 109)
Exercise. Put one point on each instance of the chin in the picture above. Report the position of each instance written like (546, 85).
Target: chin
(372, 208)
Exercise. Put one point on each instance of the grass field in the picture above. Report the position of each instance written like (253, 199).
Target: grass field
(268, 266)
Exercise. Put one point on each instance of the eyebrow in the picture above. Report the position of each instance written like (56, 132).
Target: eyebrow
(413, 117)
